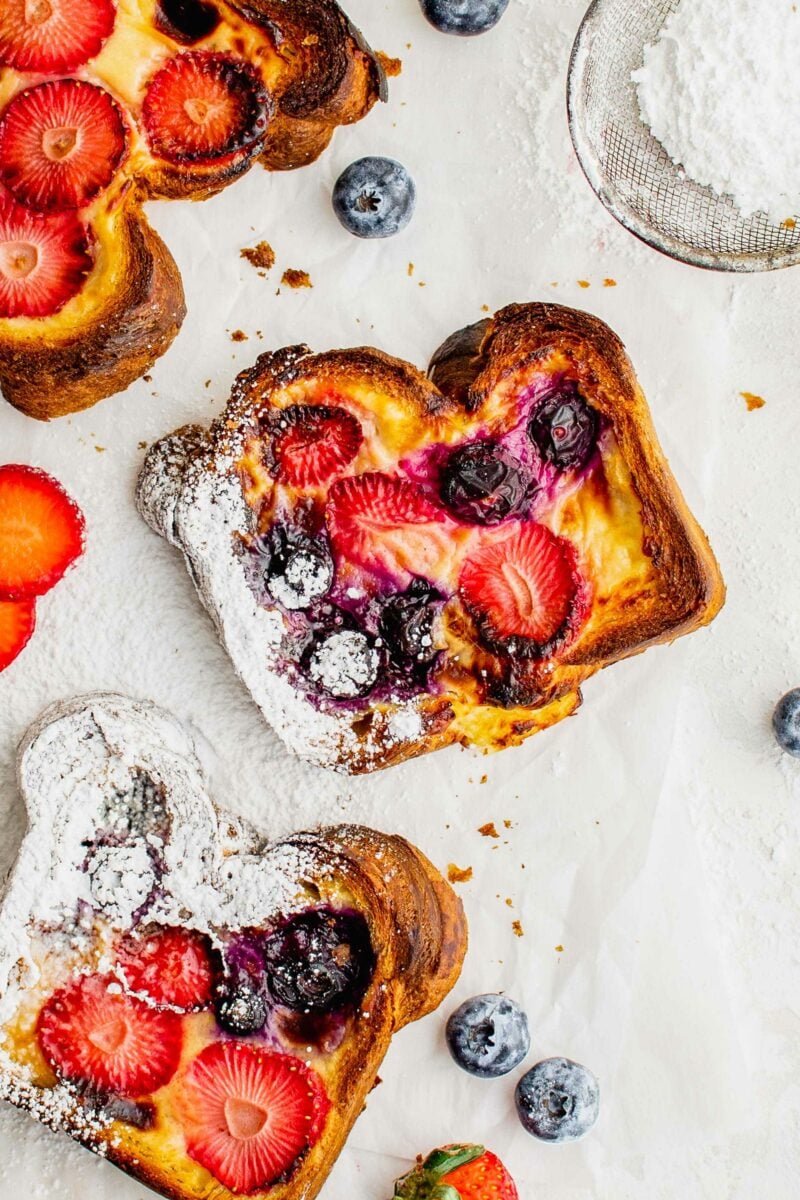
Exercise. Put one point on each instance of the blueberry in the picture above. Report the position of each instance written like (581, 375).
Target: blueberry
(374, 197)
(406, 627)
(319, 961)
(564, 428)
(345, 665)
(466, 18)
(558, 1100)
(484, 484)
(241, 1010)
(300, 568)
(488, 1035)
(786, 722)
(186, 21)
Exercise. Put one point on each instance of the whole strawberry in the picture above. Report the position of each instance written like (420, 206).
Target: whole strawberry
(458, 1173)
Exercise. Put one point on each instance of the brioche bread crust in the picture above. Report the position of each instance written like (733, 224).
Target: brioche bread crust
(319, 73)
(416, 924)
(671, 587)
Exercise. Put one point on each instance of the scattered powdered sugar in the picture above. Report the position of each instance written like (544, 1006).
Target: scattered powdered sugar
(306, 577)
(93, 852)
(189, 493)
(345, 664)
(719, 90)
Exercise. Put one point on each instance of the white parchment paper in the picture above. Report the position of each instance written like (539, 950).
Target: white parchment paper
(653, 837)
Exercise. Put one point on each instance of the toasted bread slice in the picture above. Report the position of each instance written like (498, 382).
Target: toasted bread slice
(205, 1009)
(276, 79)
(396, 562)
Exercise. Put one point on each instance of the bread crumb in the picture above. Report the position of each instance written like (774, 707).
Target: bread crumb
(485, 308)
(238, 335)
(261, 256)
(100, 449)
(584, 283)
(296, 279)
(208, 383)
(509, 902)
(410, 269)
(483, 779)
(752, 401)
(458, 874)
(489, 830)
(391, 66)
(508, 824)
(789, 223)
(143, 445)
(147, 378)
(517, 927)
(609, 283)
(559, 949)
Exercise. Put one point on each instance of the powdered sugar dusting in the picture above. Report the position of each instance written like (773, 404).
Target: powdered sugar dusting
(719, 91)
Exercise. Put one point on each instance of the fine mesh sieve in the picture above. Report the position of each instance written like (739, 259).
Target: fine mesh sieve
(632, 173)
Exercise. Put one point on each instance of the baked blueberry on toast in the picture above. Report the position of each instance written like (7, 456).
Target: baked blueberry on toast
(107, 103)
(205, 1009)
(396, 561)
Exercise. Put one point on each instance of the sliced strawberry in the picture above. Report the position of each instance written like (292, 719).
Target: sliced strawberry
(17, 622)
(90, 1031)
(312, 444)
(61, 143)
(44, 261)
(204, 107)
(383, 522)
(248, 1114)
(167, 966)
(41, 532)
(472, 1173)
(520, 587)
(51, 37)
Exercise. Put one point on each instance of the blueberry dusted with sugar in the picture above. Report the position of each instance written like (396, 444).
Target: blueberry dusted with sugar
(786, 722)
(374, 197)
(488, 1035)
(320, 961)
(564, 429)
(300, 568)
(483, 483)
(465, 18)
(186, 21)
(406, 626)
(558, 1100)
(241, 1009)
(344, 664)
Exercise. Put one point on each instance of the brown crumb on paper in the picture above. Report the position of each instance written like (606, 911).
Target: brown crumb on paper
(584, 283)
(509, 902)
(391, 66)
(238, 335)
(609, 283)
(410, 270)
(508, 824)
(559, 949)
(262, 256)
(143, 445)
(489, 830)
(518, 930)
(296, 279)
(483, 779)
(100, 449)
(458, 874)
(752, 401)
(789, 223)
(485, 308)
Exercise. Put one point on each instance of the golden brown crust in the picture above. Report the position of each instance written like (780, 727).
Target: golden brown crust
(318, 72)
(482, 356)
(56, 366)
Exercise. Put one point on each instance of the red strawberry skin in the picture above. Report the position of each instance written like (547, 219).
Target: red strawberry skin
(90, 1032)
(61, 143)
(249, 1114)
(313, 444)
(53, 37)
(41, 532)
(169, 967)
(521, 587)
(484, 1178)
(17, 623)
(205, 108)
(386, 523)
(44, 261)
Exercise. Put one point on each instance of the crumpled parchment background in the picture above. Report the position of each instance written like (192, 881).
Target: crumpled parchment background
(654, 837)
